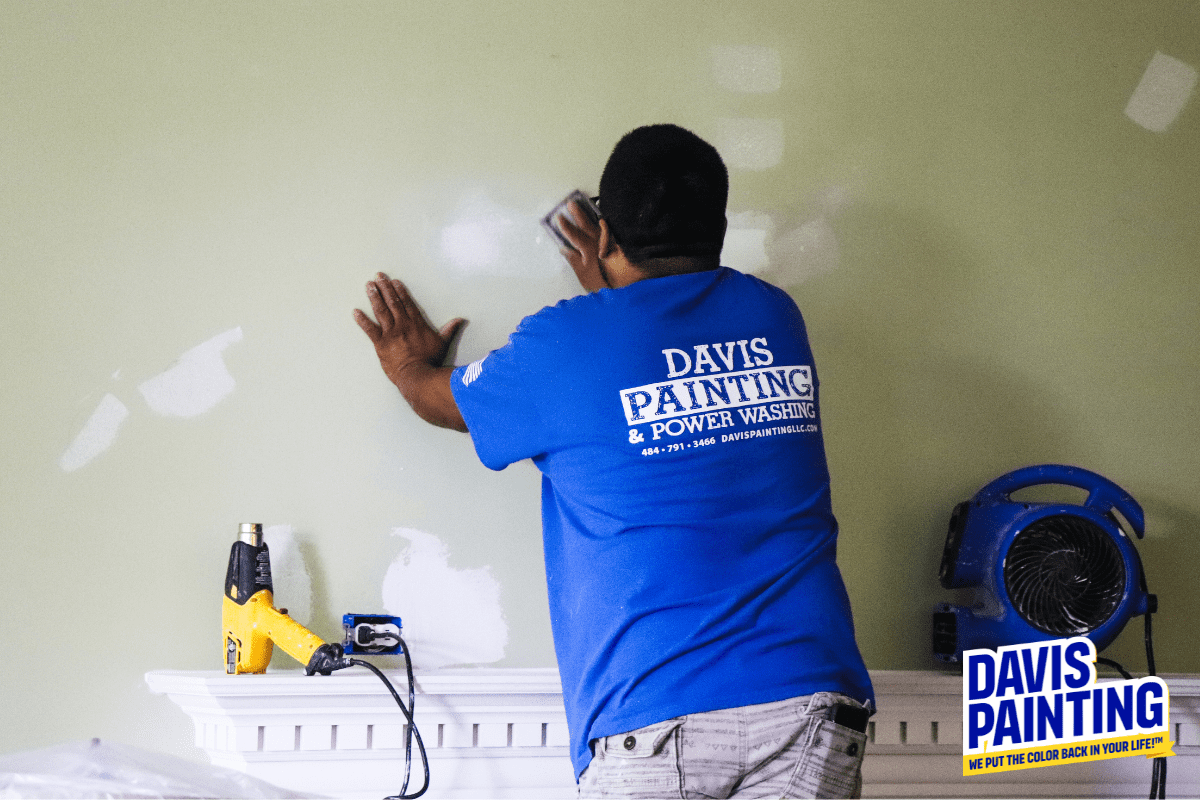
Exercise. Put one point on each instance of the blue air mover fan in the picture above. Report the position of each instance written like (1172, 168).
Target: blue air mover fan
(1042, 570)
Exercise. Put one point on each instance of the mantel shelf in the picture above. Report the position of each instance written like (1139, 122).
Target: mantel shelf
(503, 733)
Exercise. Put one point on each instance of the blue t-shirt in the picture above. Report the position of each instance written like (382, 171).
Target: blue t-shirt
(688, 531)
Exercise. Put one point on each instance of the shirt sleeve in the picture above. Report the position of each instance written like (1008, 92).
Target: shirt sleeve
(499, 404)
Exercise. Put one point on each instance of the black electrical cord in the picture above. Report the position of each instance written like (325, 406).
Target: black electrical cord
(410, 730)
(1109, 662)
(1158, 773)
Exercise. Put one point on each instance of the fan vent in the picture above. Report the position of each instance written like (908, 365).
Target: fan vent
(1064, 575)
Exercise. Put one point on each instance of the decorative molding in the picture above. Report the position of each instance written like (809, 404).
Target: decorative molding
(503, 733)
(488, 732)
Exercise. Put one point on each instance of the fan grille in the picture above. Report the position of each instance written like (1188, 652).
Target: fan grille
(1064, 575)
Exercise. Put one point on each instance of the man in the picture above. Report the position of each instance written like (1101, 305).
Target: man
(702, 629)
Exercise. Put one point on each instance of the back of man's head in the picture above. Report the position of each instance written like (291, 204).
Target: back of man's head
(663, 193)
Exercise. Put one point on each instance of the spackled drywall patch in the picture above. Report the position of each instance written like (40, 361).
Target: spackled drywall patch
(1162, 93)
(289, 574)
(485, 238)
(782, 250)
(473, 244)
(747, 68)
(746, 240)
(745, 249)
(196, 382)
(451, 616)
(750, 143)
(804, 252)
(97, 434)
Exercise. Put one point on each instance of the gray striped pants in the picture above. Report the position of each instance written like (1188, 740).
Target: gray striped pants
(790, 748)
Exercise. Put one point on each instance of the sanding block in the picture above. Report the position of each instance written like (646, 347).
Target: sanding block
(586, 203)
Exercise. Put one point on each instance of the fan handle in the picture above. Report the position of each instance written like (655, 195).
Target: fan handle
(1103, 494)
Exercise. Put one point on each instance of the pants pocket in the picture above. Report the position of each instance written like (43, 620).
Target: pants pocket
(641, 763)
(645, 742)
(832, 762)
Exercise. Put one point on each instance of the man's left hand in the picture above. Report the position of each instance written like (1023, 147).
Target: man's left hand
(584, 253)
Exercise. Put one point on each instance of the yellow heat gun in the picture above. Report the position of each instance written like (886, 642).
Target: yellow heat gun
(252, 625)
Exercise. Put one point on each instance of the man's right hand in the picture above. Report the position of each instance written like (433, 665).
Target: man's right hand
(411, 351)
(584, 253)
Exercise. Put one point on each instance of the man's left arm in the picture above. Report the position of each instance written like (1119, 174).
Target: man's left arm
(411, 351)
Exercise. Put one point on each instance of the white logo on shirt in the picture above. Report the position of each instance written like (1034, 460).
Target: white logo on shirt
(472, 372)
(683, 397)
(701, 394)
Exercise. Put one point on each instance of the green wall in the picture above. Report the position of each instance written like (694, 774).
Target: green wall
(997, 264)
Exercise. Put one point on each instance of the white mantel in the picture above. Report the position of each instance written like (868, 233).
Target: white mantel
(502, 733)
(488, 732)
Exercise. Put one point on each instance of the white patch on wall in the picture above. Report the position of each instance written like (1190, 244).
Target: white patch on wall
(749, 142)
(97, 434)
(751, 69)
(806, 251)
(1162, 93)
(787, 250)
(196, 382)
(745, 246)
(450, 616)
(474, 244)
(292, 583)
(485, 238)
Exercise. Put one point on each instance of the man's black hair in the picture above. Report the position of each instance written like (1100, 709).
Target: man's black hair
(663, 193)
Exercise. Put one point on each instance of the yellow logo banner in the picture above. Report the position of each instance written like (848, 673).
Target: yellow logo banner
(1148, 745)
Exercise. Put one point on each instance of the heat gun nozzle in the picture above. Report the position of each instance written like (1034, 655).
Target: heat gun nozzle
(250, 533)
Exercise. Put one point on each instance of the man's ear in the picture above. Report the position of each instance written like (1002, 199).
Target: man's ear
(618, 271)
(606, 244)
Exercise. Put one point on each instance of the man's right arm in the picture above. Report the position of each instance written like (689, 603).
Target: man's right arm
(411, 351)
